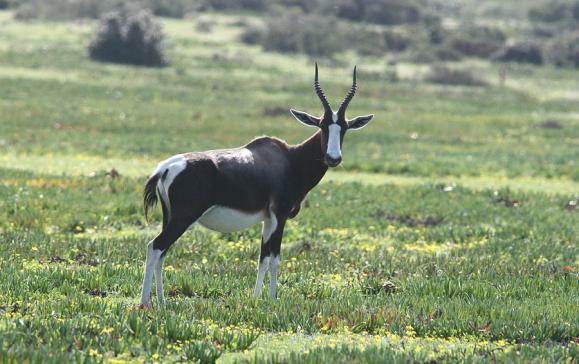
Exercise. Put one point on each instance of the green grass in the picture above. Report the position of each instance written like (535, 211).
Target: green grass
(446, 236)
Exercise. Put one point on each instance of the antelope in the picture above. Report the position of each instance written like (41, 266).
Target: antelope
(232, 189)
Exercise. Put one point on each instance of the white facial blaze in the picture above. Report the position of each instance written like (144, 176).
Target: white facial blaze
(334, 150)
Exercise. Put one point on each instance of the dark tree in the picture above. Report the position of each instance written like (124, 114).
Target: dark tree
(129, 37)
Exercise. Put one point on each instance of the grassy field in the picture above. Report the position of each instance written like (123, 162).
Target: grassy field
(450, 234)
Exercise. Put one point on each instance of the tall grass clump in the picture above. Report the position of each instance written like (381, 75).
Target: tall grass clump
(129, 36)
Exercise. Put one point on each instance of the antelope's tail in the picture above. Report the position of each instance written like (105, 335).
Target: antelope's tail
(150, 193)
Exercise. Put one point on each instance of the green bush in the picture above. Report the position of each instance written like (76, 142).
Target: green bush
(443, 53)
(129, 36)
(434, 29)
(478, 41)
(305, 6)
(452, 77)
(434, 54)
(575, 10)
(549, 12)
(396, 41)
(543, 30)
(61, 9)
(522, 52)
(564, 50)
(172, 8)
(322, 36)
(253, 5)
(368, 42)
(387, 12)
(392, 12)
(253, 34)
(77, 9)
(294, 33)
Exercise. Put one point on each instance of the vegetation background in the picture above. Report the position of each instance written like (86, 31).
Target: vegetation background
(449, 234)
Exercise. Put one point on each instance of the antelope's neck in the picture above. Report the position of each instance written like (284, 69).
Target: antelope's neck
(308, 160)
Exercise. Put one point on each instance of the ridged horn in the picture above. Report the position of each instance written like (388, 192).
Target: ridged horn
(348, 98)
(320, 93)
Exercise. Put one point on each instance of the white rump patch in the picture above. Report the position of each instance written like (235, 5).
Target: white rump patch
(334, 150)
(226, 220)
(174, 165)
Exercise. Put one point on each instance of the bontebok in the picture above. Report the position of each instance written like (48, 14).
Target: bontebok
(233, 189)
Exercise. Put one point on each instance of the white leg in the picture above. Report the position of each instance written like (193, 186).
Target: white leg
(261, 269)
(269, 226)
(273, 265)
(159, 281)
(153, 256)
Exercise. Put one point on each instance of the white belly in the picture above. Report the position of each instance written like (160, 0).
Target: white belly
(226, 220)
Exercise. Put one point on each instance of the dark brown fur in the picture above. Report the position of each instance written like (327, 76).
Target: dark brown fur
(279, 178)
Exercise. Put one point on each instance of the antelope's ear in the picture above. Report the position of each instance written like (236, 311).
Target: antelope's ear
(359, 122)
(305, 118)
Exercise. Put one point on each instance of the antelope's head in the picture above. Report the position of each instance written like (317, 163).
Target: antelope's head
(333, 124)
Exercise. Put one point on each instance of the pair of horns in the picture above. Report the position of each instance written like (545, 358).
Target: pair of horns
(324, 100)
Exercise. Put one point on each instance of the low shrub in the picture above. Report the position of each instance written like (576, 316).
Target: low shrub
(522, 52)
(396, 41)
(252, 5)
(323, 36)
(446, 76)
(94, 9)
(294, 33)
(477, 41)
(253, 34)
(61, 9)
(391, 12)
(387, 12)
(446, 54)
(575, 10)
(305, 6)
(129, 36)
(172, 8)
(434, 29)
(543, 30)
(563, 50)
(428, 55)
(549, 12)
(366, 41)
